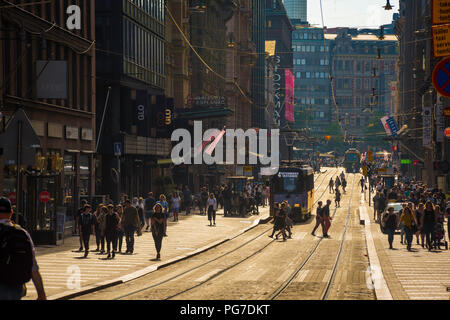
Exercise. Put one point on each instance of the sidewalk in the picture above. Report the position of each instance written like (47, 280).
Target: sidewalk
(62, 268)
(416, 275)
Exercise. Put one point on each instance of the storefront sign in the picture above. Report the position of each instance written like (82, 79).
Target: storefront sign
(447, 133)
(447, 112)
(55, 130)
(441, 40)
(142, 117)
(441, 11)
(71, 133)
(248, 171)
(86, 134)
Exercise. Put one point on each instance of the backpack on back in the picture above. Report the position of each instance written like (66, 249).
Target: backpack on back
(16, 256)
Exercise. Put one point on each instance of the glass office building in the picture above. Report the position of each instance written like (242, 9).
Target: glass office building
(296, 9)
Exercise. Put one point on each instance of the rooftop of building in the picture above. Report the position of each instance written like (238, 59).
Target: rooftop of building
(363, 37)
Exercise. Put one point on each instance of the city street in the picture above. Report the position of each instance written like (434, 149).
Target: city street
(251, 266)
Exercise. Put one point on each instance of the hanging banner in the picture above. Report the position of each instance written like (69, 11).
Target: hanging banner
(440, 119)
(427, 127)
(142, 113)
(289, 95)
(390, 126)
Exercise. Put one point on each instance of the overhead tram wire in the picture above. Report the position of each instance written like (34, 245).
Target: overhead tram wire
(202, 60)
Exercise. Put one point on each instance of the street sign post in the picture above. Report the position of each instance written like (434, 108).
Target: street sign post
(44, 197)
(441, 77)
(117, 149)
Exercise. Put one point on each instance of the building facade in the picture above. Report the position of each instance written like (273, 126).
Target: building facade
(297, 10)
(363, 70)
(424, 142)
(134, 130)
(48, 71)
(313, 108)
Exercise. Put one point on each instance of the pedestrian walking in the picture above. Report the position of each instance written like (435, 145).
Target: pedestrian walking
(18, 263)
(98, 222)
(419, 232)
(130, 224)
(120, 232)
(212, 208)
(428, 222)
(278, 223)
(203, 203)
(390, 222)
(227, 196)
(344, 184)
(165, 206)
(77, 223)
(264, 196)
(319, 218)
(87, 227)
(157, 228)
(187, 199)
(338, 198)
(362, 182)
(149, 203)
(409, 222)
(289, 223)
(111, 229)
(140, 208)
(331, 185)
(176, 203)
(447, 215)
(326, 219)
(282, 214)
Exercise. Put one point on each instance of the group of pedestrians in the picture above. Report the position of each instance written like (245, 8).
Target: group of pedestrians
(334, 186)
(422, 214)
(282, 221)
(112, 223)
(323, 218)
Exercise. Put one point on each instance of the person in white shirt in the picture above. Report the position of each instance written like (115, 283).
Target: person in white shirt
(212, 207)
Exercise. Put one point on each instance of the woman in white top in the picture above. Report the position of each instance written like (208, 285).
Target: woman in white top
(212, 207)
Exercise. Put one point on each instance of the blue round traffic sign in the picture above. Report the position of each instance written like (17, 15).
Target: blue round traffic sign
(441, 77)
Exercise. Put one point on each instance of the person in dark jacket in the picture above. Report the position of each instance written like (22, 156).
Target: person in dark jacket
(390, 225)
(149, 202)
(130, 224)
(319, 218)
(111, 228)
(158, 228)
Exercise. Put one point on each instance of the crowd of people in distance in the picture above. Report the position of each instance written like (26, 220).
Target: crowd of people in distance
(423, 212)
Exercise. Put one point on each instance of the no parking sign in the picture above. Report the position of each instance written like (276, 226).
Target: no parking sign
(441, 77)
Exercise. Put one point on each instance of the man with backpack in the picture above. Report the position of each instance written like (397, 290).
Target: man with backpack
(17, 258)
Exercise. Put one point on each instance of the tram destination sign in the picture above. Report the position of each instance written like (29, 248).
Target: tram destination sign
(441, 11)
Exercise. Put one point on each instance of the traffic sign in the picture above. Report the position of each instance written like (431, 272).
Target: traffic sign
(117, 149)
(44, 197)
(441, 77)
(441, 40)
(440, 12)
(447, 132)
(12, 197)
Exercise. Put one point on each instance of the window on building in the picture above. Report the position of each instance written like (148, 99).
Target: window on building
(308, 75)
(269, 24)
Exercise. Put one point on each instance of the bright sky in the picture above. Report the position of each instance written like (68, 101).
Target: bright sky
(351, 13)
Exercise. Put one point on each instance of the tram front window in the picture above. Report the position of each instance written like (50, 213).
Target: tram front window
(289, 184)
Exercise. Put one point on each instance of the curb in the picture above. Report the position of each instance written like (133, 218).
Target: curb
(147, 270)
(381, 288)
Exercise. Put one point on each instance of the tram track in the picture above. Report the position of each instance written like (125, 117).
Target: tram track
(325, 293)
(216, 259)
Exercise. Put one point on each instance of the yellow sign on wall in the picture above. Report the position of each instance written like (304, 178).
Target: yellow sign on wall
(441, 11)
(441, 40)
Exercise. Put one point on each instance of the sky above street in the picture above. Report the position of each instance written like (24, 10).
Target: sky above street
(351, 13)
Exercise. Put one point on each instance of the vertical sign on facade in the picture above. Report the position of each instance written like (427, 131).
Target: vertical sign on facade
(427, 129)
(440, 120)
(277, 91)
(142, 118)
(289, 95)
